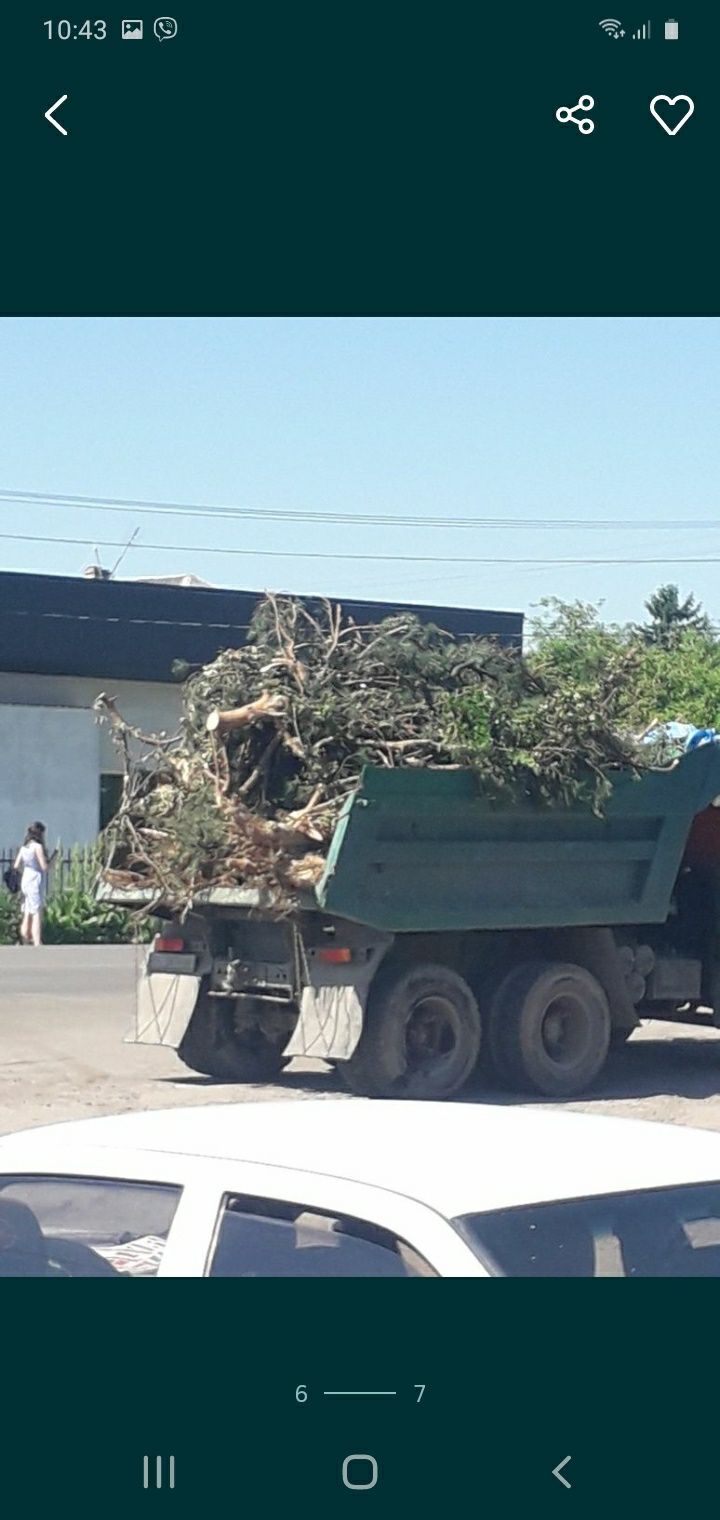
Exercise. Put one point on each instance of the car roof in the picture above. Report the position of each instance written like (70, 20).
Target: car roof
(456, 1157)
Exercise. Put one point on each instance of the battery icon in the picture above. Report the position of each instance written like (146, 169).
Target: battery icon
(671, 31)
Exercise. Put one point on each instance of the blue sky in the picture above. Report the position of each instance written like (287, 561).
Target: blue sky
(506, 418)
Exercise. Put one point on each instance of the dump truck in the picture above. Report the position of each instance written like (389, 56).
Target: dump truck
(452, 931)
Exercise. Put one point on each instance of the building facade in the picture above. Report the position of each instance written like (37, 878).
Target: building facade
(64, 640)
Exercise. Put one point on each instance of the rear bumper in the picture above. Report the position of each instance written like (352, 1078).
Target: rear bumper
(328, 1005)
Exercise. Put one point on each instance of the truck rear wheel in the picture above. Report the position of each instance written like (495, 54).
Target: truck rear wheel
(619, 1036)
(212, 1046)
(549, 1028)
(421, 1037)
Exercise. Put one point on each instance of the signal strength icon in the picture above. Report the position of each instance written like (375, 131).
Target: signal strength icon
(643, 33)
(612, 28)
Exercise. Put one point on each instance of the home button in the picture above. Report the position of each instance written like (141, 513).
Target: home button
(359, 1472)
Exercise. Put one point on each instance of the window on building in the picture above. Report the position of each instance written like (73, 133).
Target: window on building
(110, 794)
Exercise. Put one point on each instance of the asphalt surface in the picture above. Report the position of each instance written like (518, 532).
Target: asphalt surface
(64, 1013)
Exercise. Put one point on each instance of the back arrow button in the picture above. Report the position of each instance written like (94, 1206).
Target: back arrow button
(49, 115)
(557, 1472)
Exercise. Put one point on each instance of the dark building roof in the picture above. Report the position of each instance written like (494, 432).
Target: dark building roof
(127, 630)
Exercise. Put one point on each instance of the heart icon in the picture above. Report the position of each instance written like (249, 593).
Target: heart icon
(672, 100)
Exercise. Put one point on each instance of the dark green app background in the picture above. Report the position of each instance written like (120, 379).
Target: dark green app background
(376, 158)
(383, 158)
(516, 1376)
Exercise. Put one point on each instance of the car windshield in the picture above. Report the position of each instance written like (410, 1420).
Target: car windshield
(663, 1232)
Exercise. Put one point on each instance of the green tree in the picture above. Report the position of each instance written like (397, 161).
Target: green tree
(680, 681)
(669, 617)
(574, 651)
(652, 679)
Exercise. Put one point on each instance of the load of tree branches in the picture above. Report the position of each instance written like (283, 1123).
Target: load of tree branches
(275, 737)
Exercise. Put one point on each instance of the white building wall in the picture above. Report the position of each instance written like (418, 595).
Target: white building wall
(49, 770)
(152, 706)
(53, 751)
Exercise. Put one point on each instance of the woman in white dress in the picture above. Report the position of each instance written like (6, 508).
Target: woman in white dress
(32, 860)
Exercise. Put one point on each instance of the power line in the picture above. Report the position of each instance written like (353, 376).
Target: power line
(414, 520)
(403, 559)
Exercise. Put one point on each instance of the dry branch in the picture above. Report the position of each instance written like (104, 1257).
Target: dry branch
(266, 706)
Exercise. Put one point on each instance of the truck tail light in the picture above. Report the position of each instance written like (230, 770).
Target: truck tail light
(335, 957)
(166, 946)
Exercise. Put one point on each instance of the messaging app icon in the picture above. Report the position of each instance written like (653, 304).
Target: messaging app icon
(165, 27)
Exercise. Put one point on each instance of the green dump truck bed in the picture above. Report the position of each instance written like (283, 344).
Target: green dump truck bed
(426, 850)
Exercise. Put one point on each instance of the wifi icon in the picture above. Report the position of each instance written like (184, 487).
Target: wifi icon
(612, 28)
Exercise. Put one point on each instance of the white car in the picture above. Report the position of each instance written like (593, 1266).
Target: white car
(342, 1188)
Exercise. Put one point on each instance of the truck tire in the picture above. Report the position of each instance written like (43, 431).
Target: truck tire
(548, 1028)
(619, 1036)
(421, 1036)
(212, 1047)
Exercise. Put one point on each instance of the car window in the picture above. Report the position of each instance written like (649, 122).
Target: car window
(83, 1226)
(259, 1237)
(660, 1232)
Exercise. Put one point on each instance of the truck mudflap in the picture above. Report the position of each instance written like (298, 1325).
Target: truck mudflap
(335, 992)
(329, 1023)
(164, 1005)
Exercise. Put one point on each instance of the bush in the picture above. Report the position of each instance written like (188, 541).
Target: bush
(72, 917)
(77, 871)
(9, 917)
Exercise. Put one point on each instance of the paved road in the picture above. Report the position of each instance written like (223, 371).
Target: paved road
(64, 1012)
